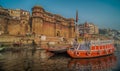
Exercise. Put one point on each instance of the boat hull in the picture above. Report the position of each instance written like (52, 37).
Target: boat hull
(58, 49)
(89, 53)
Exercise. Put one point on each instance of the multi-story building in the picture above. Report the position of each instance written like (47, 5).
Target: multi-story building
(15, 13)
(50, 24)
(93, 29)
(88, 28)
(19, 22)
(14, 22)
(22, 22)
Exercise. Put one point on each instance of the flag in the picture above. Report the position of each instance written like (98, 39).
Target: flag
(77, 16)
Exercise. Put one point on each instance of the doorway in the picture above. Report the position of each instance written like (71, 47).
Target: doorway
(58, 33)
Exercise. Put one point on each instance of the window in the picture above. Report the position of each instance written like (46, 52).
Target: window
(93, 48)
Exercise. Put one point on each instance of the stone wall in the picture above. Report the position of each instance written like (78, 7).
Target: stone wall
(14, 27)
(18, 27)
(41, 22)
(2, 24)
(52, 25)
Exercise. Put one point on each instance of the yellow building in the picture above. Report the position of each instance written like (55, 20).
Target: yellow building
(50, 24)
(19, 22)
(4, 17)
(15, 13)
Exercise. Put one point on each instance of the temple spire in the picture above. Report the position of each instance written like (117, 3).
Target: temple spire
(76, 16)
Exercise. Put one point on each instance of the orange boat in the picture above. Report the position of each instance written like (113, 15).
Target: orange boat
(93, 48)
(93, 64)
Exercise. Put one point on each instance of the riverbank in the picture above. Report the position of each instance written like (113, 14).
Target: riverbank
(25, 42)
(15, 43)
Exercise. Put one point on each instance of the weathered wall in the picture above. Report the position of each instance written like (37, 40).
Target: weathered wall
(2, 24)
(51, 24)
(14, 27)
(18, 27)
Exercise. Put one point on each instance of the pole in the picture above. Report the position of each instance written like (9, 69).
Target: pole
(76, 24)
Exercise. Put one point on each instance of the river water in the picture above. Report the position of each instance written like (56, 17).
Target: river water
(40, 60)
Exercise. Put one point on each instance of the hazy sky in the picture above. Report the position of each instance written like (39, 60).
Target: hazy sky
(104, 13)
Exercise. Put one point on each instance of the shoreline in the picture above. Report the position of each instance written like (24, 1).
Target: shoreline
(8, 41)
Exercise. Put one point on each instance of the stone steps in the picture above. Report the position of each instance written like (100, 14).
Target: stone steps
(48, 40)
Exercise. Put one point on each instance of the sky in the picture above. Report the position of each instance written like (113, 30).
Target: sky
(103, 13)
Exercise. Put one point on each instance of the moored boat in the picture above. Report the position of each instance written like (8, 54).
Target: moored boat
(93, 48)
(58, 49)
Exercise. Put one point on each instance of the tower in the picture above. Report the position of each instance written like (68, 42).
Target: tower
(24, 22)
(72, 29)
(37, 20)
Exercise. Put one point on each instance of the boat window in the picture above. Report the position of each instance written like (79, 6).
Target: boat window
(93, 48)
(97, 47)
(103, 47)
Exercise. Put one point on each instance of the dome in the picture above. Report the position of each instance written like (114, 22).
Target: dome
(37, 6)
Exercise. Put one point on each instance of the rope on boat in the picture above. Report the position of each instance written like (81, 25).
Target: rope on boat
(78, 47)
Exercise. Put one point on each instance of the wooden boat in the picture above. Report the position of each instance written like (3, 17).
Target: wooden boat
(93, 48)
(58, 49)
(93, 64)
(1, 49)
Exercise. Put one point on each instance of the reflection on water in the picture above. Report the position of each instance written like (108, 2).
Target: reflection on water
(40, 60)
(94, 64)
(23, 60)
